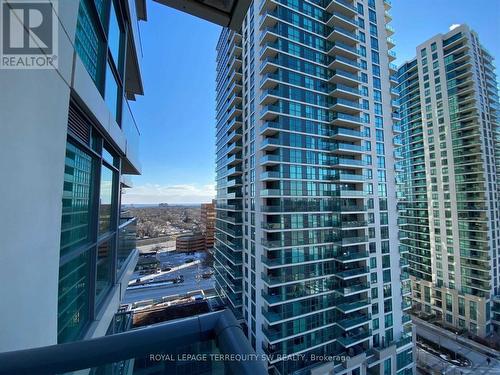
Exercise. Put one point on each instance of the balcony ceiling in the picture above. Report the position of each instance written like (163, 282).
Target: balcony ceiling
(226, 13)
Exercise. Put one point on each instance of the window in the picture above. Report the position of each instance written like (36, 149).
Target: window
(77, 201)
(111, 94)
(88, 232)
(73, 300)
(449, 302)
(106, 199)
(372, 16)
(473, 310)
(388, 320)
(99, 27)
(115, 38)
(126, 244)
(89, 43)
(104, 274)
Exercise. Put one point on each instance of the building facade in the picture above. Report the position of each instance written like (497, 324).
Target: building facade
(449, 179)
(208, 223)
(307, 249)
(190, 243)
(77, 249)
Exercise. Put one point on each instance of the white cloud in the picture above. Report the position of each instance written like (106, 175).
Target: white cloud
(454, 26)
(154, 193)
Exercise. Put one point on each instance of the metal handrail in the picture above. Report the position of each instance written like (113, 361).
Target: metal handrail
(163, 338)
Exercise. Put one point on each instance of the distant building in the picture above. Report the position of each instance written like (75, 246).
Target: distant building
(190, 243)
(449, 180)
(208, 223)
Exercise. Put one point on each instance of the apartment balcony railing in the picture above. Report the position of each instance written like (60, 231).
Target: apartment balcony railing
(219, 327)
(126, 239)
(350, 340)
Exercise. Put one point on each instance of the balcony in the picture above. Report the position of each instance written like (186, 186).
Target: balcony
(349, 193)
(270, 144)
(349, 241)
(345, 134)
(347, 162)
(219, 329)
(350, 323)
(340, 62)
(270, 159)
(343, 119)
(341, 6)
(339, 48)
(343, 77)
(344, 91)
(338, 33)
(352, 273)
(351, 340)
(346, 148)
(390, 30)
(350, 224)
(347, 177)
(391, 42)
(339, 19)
(269, 112)
(345, 105)
(350, 307)
(269, 80)
(392, 55)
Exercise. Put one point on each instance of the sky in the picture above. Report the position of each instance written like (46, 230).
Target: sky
(176, 116)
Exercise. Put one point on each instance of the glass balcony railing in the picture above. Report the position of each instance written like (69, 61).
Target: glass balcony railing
(346, 88)
(338, 116)
(344, 74)
(126, 240)
(347, 132)
(344, 46)
(130, 352)
(349, 340)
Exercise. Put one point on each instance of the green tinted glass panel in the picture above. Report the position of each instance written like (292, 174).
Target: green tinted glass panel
(73, 304)
(126, 243)
(104, 274)
(115, 36)
(111, 93)
(102, 9)
(76, 202)
(105, 200)
(89, 43)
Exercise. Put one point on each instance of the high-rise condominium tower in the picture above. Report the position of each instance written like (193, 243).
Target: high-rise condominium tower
(450, 177)
(307, 249)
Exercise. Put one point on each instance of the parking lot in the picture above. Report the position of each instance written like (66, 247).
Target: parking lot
(190, 266)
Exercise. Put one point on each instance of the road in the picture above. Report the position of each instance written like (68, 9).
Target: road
(171, 273)
(479, 360)
(167, 290)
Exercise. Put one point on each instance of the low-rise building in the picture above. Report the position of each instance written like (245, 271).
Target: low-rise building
(190, 243)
